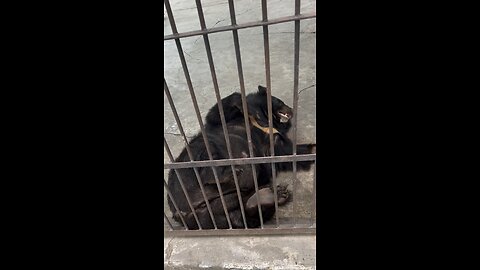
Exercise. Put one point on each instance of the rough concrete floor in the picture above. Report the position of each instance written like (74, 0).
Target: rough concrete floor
(259, 252)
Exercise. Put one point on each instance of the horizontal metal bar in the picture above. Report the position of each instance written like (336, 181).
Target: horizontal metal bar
(264, 231)
(238, 161)
(240, 26)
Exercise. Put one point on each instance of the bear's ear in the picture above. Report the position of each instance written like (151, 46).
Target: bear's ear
(262, 90)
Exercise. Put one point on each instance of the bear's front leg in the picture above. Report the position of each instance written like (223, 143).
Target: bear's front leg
(285, 147)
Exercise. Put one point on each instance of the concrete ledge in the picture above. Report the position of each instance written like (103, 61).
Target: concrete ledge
(233, 252)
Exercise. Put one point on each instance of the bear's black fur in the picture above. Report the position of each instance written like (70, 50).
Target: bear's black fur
(232, 106)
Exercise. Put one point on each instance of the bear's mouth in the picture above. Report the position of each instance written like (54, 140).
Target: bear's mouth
(284, 117)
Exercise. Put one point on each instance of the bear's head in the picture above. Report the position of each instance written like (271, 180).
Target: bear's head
(258, 108)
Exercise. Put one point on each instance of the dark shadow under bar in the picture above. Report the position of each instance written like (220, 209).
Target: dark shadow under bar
(240, 26)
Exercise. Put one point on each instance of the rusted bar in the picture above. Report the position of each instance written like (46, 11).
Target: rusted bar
(220, 107)
(314, 201)
(168, 221)
(266, 46)
(295, 104)
(239, 161)
(180, 127)
(174, 203)
(195, 106)
(182, 185)
(244, 103)
(238, 26)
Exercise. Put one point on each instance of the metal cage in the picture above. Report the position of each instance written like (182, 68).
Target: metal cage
(278, 228)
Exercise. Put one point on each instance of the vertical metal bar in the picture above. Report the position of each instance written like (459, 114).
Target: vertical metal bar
(170, 16)
(174, 203)
(244, 103)
(195, 106)
(189, 152)
(220, 106)
(182, 185)
(266, 46)
(295, 105)
(168, 221)
(314, 201)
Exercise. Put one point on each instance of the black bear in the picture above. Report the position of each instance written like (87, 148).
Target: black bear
(234, 117)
